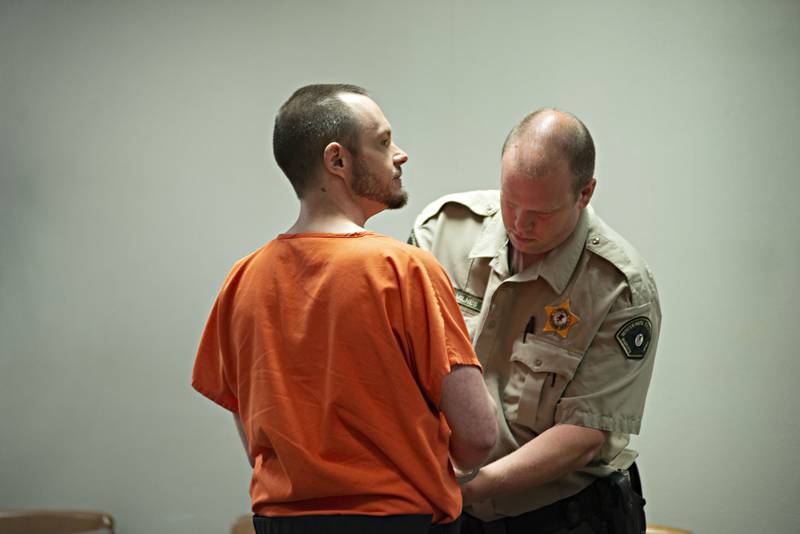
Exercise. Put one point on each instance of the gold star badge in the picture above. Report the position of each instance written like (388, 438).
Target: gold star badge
(560, 319)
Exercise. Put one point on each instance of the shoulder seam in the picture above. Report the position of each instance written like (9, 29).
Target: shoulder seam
(480, 203)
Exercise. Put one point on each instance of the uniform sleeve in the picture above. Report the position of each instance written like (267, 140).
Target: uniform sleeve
(210, 375)
(610, 385)
(425, 225)
(434, 328)
(422, 234)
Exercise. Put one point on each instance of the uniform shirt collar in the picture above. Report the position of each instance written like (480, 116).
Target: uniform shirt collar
(493, 243)
(557, 267)
(493, 239)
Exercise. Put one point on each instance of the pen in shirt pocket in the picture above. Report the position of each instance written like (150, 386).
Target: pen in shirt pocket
(529, 328)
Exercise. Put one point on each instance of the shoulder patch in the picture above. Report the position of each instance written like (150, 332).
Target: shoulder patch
(634, 337)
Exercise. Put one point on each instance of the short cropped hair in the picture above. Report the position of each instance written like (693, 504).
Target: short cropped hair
(573, 139)
(313, 117)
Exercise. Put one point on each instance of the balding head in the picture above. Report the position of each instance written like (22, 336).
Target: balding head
(547, 139)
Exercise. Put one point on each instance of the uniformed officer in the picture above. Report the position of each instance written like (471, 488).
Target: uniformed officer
(564, 316)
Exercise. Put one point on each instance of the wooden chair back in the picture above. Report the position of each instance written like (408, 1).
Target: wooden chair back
(659, 529)
(243, 525)
(54, 522)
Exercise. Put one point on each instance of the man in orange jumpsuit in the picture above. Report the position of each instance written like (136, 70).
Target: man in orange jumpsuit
(342, 353)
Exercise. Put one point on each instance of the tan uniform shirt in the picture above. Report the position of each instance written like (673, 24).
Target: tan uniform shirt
(569, 340)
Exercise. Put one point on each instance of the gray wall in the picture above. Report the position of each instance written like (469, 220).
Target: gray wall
(135, 169)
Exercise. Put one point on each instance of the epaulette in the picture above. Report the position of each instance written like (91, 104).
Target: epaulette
(481, 203)
(615, 249)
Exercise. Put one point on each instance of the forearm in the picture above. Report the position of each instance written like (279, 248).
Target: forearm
(550, 456)
(240, 429)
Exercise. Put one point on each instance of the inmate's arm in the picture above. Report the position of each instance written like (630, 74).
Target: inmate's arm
(470, 413)
(240, 429)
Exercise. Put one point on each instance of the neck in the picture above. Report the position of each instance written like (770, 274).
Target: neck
(325, 211)
(519, 261)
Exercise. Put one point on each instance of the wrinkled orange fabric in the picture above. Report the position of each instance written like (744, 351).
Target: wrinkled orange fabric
(332, 349)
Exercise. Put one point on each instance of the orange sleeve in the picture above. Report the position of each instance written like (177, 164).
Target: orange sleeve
(211, 376)
(435, 328)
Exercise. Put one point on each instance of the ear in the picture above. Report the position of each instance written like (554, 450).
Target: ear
(336, 159)
(586, 193)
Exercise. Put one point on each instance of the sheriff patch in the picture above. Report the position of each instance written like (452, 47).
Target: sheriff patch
(468, 301)
(634, 337)
(560, 319)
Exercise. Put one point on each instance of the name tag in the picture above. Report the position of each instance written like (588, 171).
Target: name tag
(468, 301)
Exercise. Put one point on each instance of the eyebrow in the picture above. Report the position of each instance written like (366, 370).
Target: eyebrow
(538, 212)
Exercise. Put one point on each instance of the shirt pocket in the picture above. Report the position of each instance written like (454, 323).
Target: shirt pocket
(539, 372)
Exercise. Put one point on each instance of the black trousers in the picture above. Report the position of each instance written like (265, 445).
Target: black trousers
(351, 524)
(607, 506)
(471, 525)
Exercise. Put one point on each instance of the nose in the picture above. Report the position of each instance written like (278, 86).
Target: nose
(523, 220)
(400, 157)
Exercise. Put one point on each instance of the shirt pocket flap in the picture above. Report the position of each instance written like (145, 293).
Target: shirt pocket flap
(541, 356)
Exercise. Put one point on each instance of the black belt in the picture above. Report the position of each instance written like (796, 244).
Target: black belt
(351, 524)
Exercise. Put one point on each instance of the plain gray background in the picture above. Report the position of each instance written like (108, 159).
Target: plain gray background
(136, 168)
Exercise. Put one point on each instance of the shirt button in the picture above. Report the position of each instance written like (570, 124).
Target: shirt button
(537, 363)
(595, 241)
